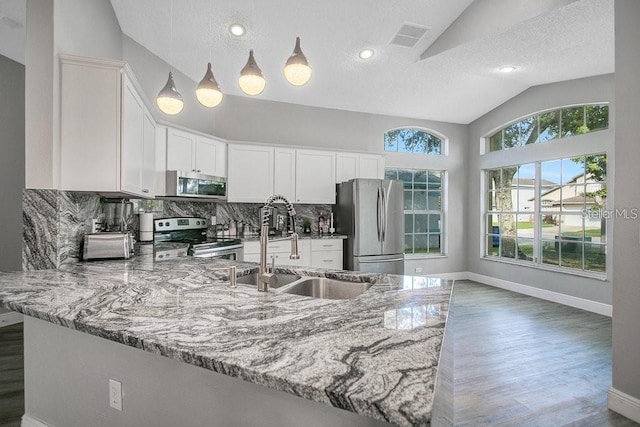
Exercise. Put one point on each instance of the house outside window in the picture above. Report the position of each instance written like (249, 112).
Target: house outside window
(549, 213)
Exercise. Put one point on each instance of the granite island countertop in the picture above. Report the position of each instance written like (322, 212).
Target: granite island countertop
(375, 355)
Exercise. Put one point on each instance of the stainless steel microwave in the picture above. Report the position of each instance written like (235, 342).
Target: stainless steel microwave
(192, 184)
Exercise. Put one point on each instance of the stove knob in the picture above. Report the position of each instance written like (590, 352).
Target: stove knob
(166, 224)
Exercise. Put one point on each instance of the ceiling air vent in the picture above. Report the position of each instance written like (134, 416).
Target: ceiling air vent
(408, 35)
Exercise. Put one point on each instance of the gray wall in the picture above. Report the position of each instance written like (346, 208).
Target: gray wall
(593, 89)
(626, 256)
(11, 163)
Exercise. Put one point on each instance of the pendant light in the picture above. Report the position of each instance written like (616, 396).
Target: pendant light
(297, 70)
(169, 100)
(208, 92)
(251, 80)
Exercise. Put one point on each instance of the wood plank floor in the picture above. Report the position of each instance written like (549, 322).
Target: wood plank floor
(522, 361)
(11, 375)
(518, 361)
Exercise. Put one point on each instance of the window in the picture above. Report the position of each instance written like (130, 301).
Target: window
(549, 213)
(410, 140)
(423, 213)
(559, 123)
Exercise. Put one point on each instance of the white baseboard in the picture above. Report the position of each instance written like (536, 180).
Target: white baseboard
(10, 318)
(462, 275)
(623, 404)
(581, 303)
(28, 421)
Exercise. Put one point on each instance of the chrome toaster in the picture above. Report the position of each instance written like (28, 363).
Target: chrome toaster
(107, 246)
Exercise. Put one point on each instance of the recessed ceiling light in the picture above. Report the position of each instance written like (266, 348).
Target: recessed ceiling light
(366, 53)
(237, 30)
(507, 69)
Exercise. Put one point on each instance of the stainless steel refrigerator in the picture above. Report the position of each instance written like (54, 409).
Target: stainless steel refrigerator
(370, 213)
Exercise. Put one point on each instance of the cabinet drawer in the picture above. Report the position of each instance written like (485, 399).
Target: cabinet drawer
(326, 245)
(327, 259)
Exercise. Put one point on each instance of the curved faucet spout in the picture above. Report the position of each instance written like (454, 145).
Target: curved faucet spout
(267, 277)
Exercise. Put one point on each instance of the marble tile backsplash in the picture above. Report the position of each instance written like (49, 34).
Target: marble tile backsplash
(55, 222)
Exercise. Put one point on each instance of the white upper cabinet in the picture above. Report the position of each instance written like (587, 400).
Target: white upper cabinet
(347, 166)
(190, 152)
(284, 179)
(105, 129)
(358, 165)
(315, 176)
(250, 173)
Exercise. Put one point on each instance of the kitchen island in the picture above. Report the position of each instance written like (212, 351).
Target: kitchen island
(375, 357)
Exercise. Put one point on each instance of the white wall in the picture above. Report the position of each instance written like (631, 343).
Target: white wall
(588, 90)
(11, 163)
(626, 246)
(78, 27)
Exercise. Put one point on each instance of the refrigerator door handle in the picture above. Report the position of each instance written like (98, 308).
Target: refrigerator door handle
(384, 214)
(379, 214)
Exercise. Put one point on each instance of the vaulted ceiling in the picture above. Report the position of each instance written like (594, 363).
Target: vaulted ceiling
(451, 74)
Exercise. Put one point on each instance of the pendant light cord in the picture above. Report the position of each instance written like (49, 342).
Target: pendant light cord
(171, 34)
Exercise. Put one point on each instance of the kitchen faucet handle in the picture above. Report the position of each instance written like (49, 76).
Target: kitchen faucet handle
(272, 269)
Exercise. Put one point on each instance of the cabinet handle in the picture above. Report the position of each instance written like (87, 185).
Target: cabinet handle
(198, 171)
(144, 190)
(327, 260)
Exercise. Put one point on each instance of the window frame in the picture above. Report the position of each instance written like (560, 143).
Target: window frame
(539, 210)
(441, 212)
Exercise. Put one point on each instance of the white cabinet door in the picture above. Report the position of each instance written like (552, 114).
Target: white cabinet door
(161, 161)
(149, 155)
(210, 157)
(90, 101)
(347, 166)
(371, 166)
(315, 176)
(132, 140)
(284, 180)
(180, 150)
(250, 173)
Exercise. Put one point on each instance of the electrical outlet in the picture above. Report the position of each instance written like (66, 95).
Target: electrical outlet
(418, 269)
(115, 394)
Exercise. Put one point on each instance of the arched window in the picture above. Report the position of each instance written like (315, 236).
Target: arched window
(412, 140)
(549, 125)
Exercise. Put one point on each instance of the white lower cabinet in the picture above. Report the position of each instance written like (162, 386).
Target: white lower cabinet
(326, 253)
(322, 253)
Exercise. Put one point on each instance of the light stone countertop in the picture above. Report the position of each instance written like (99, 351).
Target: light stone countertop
(376, 355)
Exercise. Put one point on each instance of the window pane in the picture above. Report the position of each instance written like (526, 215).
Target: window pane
(528, 130)
(434, 144)
(408, 223)
(573, 170)
(435, 180)
(421, 223)
(408, 200)
(391, 141)
(495, 141)
(434, 201)
(493, 245)
(572, 198)
(551, 252)
(434, 243)
(571, 254)
(434, 223)
(408, 243)
(511, 136)
(572, 121)
(597, 117)
(525, 249)
(549, 126)
(550, 226)
(508, 247)
(526, 189)
(420, 244)
(595, 229)
(595, 257)
(419, 200)
(406, 176)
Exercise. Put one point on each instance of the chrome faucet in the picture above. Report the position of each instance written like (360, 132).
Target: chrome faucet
(266, 275)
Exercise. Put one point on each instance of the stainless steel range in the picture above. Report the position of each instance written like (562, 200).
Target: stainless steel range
(191, 233)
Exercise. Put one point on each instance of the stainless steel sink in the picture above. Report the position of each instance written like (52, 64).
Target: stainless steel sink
(283, 279)
(322, 287)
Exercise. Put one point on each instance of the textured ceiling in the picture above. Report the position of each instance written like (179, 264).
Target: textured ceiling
(458, 84)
